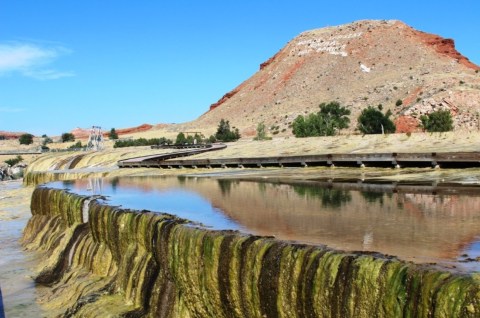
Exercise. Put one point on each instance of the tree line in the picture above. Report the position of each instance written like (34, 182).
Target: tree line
(333, 117)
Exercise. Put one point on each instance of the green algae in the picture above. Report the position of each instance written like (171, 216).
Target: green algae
(35, 178)
(124, 263)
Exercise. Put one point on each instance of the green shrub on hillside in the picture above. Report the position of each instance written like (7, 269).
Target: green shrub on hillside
(26, 139)
(68, 137)
(331, 118)
(373, 121)
(224, 133)
(438, 121)
(14, 161)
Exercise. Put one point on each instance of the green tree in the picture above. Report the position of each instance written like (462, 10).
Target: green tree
(26, 139)
(199, 138)
(373, 121)
(68, 137)
(181, 139)
(331, 118)
(299, 127)
(113, 134)
(212, 139)
(438, 121)
(224, 133)
(261, 132)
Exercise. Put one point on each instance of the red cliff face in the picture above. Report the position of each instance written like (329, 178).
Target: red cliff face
(131, 130)
(445, 47)
(269, 61)
(224, 98)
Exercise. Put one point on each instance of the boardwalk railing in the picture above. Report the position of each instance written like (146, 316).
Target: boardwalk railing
(144, 161)
(431, 159)
(197, 146)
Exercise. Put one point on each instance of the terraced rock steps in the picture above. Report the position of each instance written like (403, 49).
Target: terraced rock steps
(101, 260)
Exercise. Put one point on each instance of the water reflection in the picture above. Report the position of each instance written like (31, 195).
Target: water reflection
(330, 198)
(225, 185)
(418, 222)
(95, 186)
(373, 197)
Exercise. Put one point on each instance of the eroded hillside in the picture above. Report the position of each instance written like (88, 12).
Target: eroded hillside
(358, 64)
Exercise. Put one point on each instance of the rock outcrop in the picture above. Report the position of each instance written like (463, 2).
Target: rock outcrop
(359, 64)
(10, 173)
(101, 260)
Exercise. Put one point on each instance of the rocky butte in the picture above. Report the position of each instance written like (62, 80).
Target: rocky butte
(358, 64)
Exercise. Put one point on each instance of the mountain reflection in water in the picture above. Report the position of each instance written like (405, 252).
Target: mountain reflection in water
(417, 222)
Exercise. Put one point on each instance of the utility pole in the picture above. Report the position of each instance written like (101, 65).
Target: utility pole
(95, 139)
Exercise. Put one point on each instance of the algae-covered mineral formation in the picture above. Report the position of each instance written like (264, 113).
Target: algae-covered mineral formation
(104, 261)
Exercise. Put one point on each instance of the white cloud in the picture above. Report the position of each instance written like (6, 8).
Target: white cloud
(47, 74)
(31, 60)
(11, 110)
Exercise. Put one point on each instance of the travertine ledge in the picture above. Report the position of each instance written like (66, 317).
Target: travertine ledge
(106, 261)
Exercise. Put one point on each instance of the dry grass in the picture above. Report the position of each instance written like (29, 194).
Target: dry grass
(419, 142)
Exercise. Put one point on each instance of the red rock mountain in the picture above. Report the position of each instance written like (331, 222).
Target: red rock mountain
(359, 64)
(10, 135)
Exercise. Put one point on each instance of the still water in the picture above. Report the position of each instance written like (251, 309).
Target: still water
(424, 223)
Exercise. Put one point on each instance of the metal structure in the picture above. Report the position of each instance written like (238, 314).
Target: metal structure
(95, 139)
(95, 185)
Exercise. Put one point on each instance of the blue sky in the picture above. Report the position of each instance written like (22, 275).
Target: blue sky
(118, 63)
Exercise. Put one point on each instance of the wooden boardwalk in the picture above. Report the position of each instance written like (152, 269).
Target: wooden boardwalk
(144, 161)
(398, 160)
